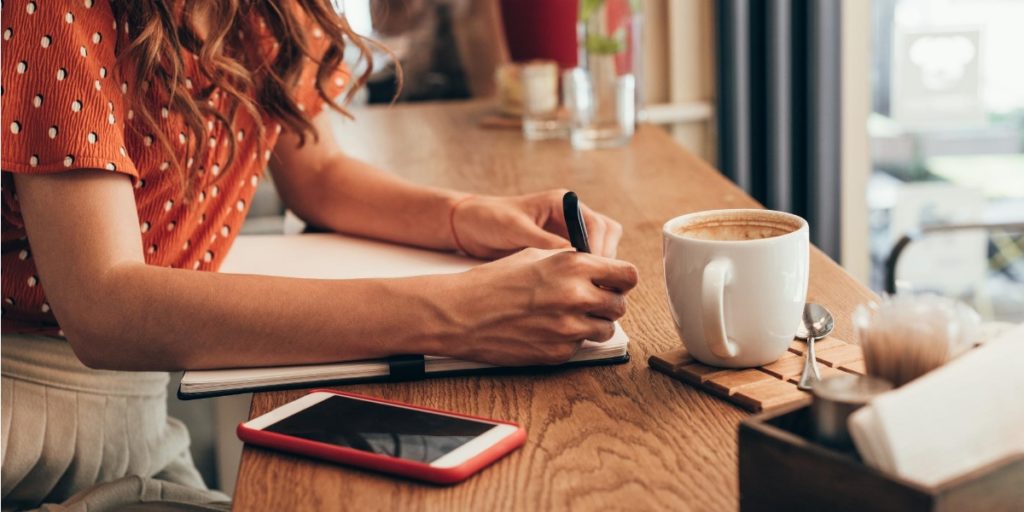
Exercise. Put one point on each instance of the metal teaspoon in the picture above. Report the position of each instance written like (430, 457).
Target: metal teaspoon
(817, 323)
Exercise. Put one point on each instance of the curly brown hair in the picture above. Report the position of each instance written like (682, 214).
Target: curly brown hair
(158, 32)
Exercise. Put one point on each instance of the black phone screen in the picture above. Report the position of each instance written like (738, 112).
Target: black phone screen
(380, 428)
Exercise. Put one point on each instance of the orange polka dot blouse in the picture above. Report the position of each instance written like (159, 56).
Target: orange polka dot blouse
(64, 108)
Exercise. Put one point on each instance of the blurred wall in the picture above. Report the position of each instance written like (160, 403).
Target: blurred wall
(679, 69)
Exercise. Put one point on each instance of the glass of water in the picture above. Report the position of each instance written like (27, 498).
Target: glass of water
(541, 119)
(601, 92)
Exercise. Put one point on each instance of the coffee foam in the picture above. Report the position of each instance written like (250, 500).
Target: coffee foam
(737, 226)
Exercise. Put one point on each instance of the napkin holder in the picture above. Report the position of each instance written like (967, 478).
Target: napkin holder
(781, 467)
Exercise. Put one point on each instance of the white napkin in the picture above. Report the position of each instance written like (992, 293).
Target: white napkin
(952, 420)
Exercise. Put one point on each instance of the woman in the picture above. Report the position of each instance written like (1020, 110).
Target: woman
(135, 135)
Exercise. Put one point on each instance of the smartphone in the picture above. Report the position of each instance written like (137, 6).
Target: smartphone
(385, 436)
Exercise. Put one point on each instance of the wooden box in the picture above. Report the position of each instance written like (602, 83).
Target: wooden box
(782, 468)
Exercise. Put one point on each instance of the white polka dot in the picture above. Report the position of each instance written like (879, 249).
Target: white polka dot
(152, 249)
(123, 151)
(15, 127)
(188, 83)
(97, 85)
(111, 119)
(186, 245)
(32, 280)
(62, 74)
(82, 51)
(202, 218)
(181, 138)
(9, 301)
(68, 160)
(147, 140)
(168, 205)
(240, 205)
(215, 169)
(92, 137)
(215, 191)
(241, 135)
(195, 266)
(144, 227)
(255, 180)
(202, 196)
(338, 81)
(110, 106)
(189, 163)
(225, 231)
(96, 38)
(317, 33)
(37, 101)
(70, 18)
(33, 160)
(124, 87)
(103, 72)
(266, 154)
(141, 183)
(212, 142)
(131, 114)
(22, 67)
(30, 7)
(45, 41)
(165, 165)
(7, 34)
(52, 132)
(23, 255)
(88, 4)
(171, 225)
(277, 129)
(209, 126)
(111, 167)
(76, 106)
(164, 112)
(45, 308)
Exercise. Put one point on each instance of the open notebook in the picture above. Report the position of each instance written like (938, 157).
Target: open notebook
(330, 256)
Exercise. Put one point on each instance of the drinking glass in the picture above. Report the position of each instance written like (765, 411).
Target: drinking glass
(601, 93)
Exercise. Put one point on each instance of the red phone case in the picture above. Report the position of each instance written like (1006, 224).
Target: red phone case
(387, 463)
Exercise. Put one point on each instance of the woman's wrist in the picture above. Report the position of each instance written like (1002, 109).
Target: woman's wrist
(428, 313)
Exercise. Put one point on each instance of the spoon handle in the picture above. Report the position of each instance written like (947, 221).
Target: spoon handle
(810, 374)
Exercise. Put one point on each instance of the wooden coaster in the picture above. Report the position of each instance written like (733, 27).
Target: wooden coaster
(765, 387)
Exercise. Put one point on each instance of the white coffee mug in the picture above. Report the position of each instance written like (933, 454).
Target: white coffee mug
(737, 283)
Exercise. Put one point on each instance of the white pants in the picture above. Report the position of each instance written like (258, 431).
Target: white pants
(75, 438)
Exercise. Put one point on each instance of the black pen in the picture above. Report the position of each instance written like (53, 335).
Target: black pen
(574, 222)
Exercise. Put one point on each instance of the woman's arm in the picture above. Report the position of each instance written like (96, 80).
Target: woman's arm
(119, 313)
(331, 190)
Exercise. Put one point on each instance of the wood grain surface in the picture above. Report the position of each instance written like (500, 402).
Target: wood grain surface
(617, 437)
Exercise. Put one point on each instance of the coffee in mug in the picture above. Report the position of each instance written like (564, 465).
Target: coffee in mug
(737, 283)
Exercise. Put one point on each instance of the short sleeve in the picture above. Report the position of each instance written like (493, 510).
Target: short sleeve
(64, 106)
(307, 97)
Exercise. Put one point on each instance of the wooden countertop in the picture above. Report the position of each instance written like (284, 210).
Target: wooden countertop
(608, 437)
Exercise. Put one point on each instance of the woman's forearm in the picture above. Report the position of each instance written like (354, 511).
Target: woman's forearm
(351, 196)
(173, 319)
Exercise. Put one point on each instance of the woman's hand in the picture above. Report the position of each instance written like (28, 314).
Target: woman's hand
(534, 307)
(491, 227)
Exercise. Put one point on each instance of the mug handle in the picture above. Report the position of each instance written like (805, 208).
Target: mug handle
(716, 275)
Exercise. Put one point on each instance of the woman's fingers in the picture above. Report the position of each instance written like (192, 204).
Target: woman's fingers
(612, 235)
(607, 304)
(616, 275)
(598, 329)
(604, 233)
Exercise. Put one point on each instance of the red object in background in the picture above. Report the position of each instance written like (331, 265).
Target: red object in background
(620, 17)
(541, 29)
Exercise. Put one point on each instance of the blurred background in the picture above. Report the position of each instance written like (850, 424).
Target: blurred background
(896, 127)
